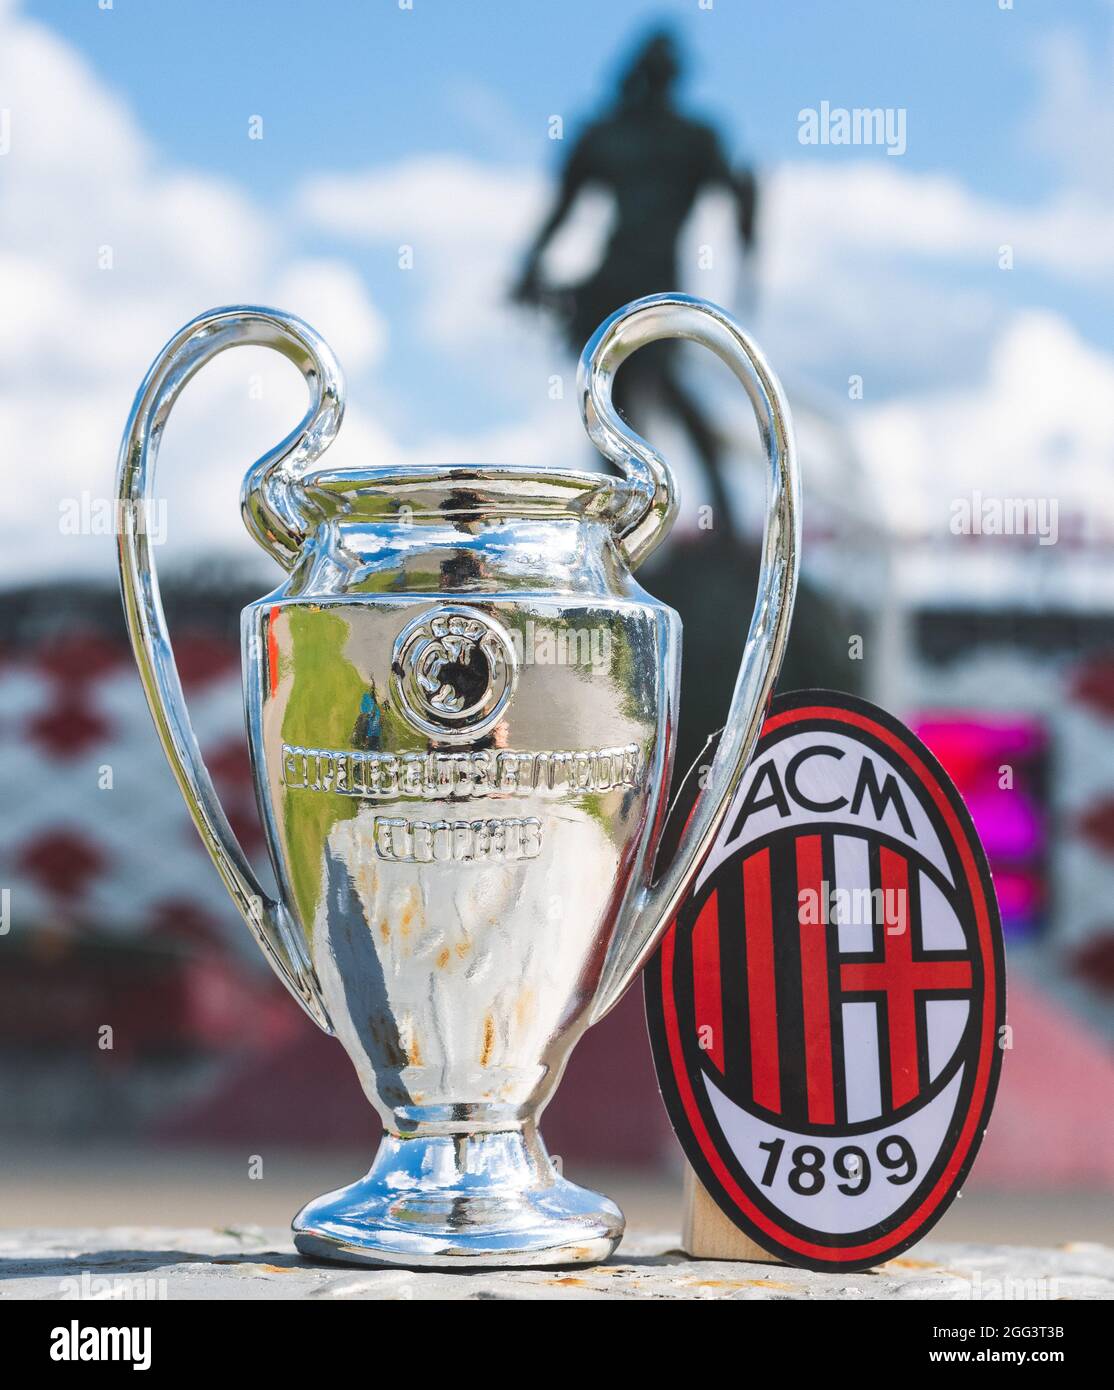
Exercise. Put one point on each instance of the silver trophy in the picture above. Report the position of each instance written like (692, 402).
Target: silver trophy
(461, 709)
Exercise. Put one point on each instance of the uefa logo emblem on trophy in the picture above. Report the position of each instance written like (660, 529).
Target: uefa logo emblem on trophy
(453, 673)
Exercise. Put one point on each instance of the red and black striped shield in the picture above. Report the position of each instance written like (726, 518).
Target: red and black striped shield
(825, 1009)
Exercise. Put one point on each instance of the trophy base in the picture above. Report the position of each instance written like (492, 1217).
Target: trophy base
(467, 1201)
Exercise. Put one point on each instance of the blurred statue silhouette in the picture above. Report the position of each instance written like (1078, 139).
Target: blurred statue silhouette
(654, 161)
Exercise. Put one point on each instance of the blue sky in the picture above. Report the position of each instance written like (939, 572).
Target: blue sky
(350, 81)
(347, 83)
(429, 126)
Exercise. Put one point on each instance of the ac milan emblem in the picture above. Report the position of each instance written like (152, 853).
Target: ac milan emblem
(825, 1009)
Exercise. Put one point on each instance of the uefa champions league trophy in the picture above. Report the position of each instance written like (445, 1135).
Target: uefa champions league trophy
(462, 822)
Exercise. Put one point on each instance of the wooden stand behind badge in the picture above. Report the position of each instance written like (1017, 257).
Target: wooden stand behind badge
(710, 1235)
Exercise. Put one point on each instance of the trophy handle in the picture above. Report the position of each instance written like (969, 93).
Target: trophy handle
(650, 911)
(271, 504)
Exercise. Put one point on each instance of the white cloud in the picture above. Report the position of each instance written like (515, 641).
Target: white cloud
(863, 267)
(1040, 423)
(105, 252)
(870, 267)
(331, 296)
(894, 275)
(427, 197)
(467, 225)
(869, 208)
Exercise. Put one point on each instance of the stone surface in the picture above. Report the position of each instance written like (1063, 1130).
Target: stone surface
(247, 1262)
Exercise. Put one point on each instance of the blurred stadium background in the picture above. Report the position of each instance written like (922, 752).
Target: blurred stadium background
(998, 649)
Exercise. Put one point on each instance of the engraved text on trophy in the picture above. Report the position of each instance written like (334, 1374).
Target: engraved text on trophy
(440, 775)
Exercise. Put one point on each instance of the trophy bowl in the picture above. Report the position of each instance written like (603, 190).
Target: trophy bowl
(460, 707)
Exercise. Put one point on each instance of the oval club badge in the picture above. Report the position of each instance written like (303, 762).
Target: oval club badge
(826, 1008)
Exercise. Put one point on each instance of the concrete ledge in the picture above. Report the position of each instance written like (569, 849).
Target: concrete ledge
(250, 1263)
